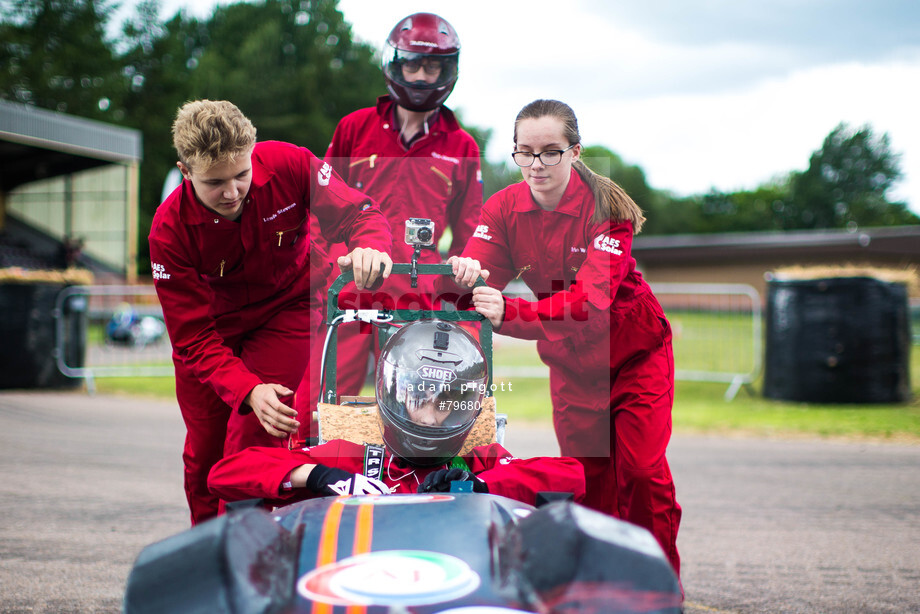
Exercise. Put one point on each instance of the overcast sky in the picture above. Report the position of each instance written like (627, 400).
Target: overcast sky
(700, 93)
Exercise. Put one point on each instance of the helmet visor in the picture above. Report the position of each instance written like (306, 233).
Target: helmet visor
(418, 70)
(434, 399)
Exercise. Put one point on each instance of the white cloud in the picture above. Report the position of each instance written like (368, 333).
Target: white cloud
(705, 94)
(730, 141)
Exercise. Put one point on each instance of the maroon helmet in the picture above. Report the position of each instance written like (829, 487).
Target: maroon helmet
(420, 61)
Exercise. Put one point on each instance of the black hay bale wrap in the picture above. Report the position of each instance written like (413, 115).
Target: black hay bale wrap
(837, 340)
(28, 339)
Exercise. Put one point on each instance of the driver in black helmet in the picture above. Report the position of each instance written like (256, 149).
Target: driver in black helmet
(411, 155)
(431, 382)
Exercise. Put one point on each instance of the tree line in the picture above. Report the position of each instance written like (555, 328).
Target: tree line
(295, 69)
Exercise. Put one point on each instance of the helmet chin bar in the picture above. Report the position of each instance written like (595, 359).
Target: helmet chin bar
(417, 99)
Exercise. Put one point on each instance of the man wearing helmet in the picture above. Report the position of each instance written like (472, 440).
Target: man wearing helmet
(409, 154)
(420, 65)
(431, 381)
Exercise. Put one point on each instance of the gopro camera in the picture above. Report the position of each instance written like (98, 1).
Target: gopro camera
(419, 231)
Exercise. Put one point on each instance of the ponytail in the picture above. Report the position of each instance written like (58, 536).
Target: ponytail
(610, 200)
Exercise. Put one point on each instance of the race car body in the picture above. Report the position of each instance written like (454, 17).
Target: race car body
(455, 553)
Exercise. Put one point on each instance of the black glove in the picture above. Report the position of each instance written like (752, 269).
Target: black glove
(439, 481)
(325, 480)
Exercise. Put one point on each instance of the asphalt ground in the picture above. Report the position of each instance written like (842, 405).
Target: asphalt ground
(769, 526)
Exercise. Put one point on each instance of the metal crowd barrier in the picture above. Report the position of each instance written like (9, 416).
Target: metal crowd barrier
(717, 334)
(84, 319)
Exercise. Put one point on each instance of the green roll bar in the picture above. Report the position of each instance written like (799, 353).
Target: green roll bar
(400, 315)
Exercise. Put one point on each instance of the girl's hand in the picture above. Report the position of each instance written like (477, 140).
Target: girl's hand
(490, 303)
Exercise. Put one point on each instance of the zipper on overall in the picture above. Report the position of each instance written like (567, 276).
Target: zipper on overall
(440, 173)
(281, 233)
(370, 160)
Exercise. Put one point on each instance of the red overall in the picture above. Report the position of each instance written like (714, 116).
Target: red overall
(605, 339)
(262, 472)
(241, 298)
(437, 177)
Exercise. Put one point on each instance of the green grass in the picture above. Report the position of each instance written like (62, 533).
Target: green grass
(148, 387)
(699, 407)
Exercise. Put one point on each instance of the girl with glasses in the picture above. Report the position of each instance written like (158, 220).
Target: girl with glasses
(566, 232)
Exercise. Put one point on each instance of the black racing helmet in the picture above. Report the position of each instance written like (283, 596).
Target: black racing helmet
(431, 380)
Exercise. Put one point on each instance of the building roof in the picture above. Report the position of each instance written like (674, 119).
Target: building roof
(38, 144)
(901, 241)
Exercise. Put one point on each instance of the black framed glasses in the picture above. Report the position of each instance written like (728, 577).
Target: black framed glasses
(550, 157)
